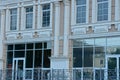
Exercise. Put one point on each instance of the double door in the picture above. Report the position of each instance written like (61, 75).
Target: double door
(18, 69)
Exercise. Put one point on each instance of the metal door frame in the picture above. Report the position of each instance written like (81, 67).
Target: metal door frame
(15, 66)
(117, 58)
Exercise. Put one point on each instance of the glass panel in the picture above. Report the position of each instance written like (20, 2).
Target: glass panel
(10, 47)
(77, 74)
(29, 45)
(88, 56)
(20, 70)
(99, 57)
(38, 59)
(38, 45)
(9, 59)
(19, 54)
(29, 59)
(99, 74)
(113, 41)
(28, 74)
(19, 46)
(113, 50)
(47, 54)
(87, 74)
(112, 66)
(77, 57)
(89, 42)
(77, 43)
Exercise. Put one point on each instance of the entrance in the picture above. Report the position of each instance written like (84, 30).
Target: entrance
(113, 67)
(18, 69)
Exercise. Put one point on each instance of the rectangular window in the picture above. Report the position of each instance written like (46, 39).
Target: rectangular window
(13, 19)
(102, 10)
(29, 17)
(46, 15)
(81, 11)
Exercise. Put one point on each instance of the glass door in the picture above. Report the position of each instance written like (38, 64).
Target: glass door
(18, 69)
(113, 65)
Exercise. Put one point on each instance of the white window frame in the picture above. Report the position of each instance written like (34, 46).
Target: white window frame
(94, 11)
(74, 12)
(26, 18)
(11, 15)
(42, 16)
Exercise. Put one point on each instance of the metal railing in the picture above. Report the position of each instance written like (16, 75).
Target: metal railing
(61, 74)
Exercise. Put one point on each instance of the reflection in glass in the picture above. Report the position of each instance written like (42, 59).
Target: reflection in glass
(88, 42)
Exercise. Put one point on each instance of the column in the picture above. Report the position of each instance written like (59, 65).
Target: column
(18, 17)
(2, 38)
(73, 12)
(117, 11)
(23, 17)
(66, 27)
(34, 12)
(56, 29)
(109, 9)
(7, 20)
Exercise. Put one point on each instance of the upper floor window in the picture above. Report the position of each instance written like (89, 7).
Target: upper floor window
(13, 19)
(102, 11)
(29, 17)
(46, 15)
(81, 11)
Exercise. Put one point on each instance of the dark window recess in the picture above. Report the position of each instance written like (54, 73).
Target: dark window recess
(88, 57)
(29, 45)
(77, 57)
(19, 46)
(9, 59)
(10, 47)
(47, 54)
(38, 59)
(45, 45)
(38, 45)
(19, 54)
(29, 59)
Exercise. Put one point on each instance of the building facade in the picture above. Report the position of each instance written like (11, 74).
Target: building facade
(75, 39)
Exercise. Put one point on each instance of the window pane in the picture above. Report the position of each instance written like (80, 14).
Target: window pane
(29, 59)
(19, 46)
(19, 54)
(9, 59)
(46, 15)
(47, 54)
(77, 57)
(13, 19)
(38, 59)
(88, 56)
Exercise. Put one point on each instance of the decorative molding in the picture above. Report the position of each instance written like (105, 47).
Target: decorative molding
(101, 28)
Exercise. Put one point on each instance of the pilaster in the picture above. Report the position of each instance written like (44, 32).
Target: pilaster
(18, 17)
(57, 26)
(34, 12)
(73, 12)
(66, 27)
(2, 38)
(7, 19)
(23, 17)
